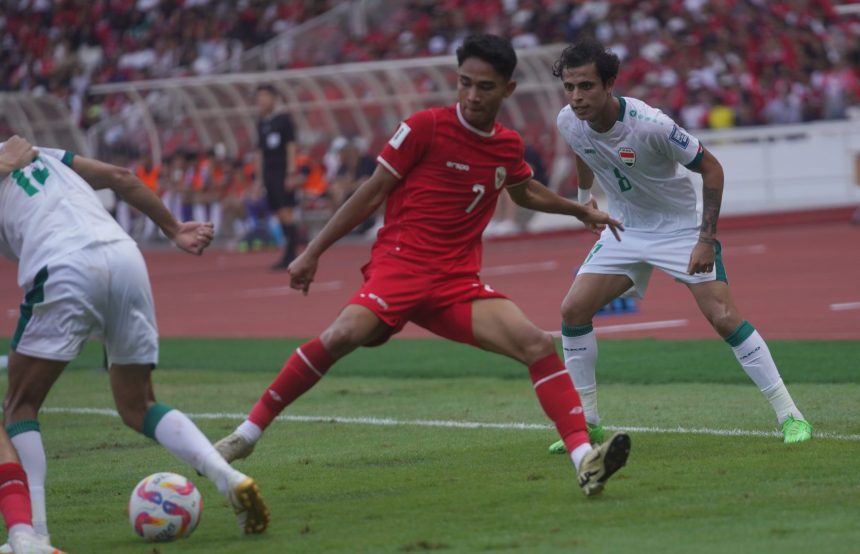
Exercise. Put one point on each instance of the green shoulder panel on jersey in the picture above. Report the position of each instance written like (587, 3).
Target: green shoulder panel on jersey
(68, 157)
(623, 107)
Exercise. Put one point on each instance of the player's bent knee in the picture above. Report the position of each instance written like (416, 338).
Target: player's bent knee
(538, 346)
(575, 312)
(341, 339)
(724, 322)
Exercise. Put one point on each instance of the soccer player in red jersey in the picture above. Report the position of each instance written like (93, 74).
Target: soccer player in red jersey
(440, 176)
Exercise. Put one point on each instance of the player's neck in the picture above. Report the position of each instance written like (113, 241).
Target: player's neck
(607, 117)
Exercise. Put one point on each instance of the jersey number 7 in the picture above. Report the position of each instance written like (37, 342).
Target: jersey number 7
(479, 191)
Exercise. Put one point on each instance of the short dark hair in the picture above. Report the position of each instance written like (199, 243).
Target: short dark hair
(266, 87)
(588, 51)
(492, 49)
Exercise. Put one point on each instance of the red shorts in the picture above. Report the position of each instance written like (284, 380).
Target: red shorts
(441, 303)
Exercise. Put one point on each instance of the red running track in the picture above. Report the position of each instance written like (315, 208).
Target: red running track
(791, 282)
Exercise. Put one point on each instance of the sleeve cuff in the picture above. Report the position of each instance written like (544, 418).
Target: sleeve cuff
(68, 157)
(389, 167)
(693, 165)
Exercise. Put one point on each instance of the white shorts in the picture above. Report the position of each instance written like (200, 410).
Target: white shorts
(102, 292)
(638, 254)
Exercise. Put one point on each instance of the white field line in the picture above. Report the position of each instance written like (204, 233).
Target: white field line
(643, 326)
(845, 306)
(519, 268)
(749, 249)
(268, 291)
(451, 424)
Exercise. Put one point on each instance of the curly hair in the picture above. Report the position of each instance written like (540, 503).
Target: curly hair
(588, 51)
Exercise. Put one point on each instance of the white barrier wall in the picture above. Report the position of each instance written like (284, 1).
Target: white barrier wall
(785, 168)
(773, 169)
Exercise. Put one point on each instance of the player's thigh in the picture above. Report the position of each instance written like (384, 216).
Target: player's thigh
(717, 304)
(500, 326)
(590, 292)
(130, 333)
(30, 380)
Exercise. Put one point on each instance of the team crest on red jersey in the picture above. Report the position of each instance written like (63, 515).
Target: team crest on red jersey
(627, 155)
(501, 175)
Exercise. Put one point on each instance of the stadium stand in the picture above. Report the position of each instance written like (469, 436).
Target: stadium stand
(711, 65)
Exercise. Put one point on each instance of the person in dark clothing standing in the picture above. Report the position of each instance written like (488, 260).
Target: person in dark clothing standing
(276, 142)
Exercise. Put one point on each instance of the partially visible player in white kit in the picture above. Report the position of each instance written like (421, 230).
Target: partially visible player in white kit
(636, 151)
(84, 276)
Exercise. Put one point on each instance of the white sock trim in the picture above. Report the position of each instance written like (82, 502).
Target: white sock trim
(540, 382)
(308, 362)
(249, 431)
(579, 453)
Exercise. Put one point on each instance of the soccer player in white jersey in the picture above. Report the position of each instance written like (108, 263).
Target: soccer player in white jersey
(636, 152)
(84, 276)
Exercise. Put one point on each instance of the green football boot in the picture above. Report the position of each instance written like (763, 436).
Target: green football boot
(596, 435)
(796, 430)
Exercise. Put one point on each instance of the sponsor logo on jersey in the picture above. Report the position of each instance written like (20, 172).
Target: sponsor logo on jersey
(401, 134)
(501, 175)
(455, 165)
(679, 137)
(628, 156)
(590, 151)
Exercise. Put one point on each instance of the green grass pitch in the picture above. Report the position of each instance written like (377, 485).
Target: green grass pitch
(350, 487)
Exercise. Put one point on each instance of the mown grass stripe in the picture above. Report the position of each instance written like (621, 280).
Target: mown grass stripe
(452, 424)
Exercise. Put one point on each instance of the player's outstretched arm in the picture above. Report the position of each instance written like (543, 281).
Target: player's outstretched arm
(533, 195)
(366, 199)
(16, 153)
(703, 255)
(192, 237)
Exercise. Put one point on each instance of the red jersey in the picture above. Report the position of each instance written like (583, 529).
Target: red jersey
(451, 176)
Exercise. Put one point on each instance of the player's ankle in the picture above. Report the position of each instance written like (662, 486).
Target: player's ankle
(249, 431)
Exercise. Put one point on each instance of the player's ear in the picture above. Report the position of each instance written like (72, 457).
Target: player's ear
(509, 87)
(609, 84)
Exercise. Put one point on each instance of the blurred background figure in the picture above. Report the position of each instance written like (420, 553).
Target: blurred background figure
(276, 147)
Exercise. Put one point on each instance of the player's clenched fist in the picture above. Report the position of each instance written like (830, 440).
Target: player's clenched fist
(16, 153)
(193, 237)
(302, 272)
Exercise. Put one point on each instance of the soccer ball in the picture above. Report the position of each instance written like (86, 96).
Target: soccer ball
(164, 506)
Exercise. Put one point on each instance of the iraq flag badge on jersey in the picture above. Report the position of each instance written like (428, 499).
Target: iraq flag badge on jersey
(628, 156)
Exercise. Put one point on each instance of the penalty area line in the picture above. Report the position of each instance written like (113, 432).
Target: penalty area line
(453, 424)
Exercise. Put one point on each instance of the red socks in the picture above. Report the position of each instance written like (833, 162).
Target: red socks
(305, 367)
(559, 400)
(14, 495)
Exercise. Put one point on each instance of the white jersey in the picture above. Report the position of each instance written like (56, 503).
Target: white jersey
(636, 163)
(48, 211)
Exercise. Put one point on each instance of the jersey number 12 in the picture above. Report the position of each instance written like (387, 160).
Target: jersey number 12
(37, 171)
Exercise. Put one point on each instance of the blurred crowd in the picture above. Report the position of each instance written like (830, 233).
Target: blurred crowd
(64, 46)
(714, 64)
(209, 186)
(709, 64)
